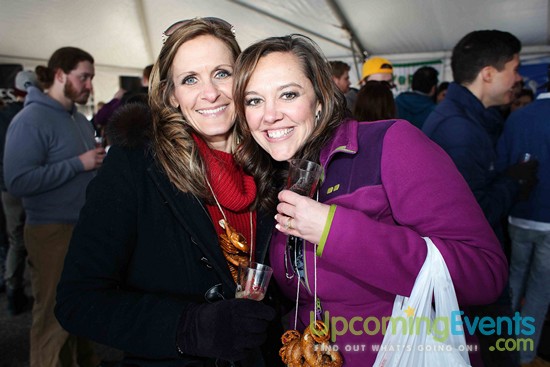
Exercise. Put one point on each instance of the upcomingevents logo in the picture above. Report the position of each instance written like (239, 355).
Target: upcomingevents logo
(441, 327)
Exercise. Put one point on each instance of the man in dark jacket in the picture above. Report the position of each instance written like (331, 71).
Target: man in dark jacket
(525, 136)
(415, 106)
(484, 65)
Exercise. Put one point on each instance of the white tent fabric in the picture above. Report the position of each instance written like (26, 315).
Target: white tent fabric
(124, 35)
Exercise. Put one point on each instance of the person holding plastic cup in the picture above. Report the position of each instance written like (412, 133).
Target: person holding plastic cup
(152, 265)
(385, 185)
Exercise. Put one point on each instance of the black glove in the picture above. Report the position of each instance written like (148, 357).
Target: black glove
(526, 175)
(227, 329)
(523, 171)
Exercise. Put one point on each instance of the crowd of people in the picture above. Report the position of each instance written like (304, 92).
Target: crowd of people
(138, 248)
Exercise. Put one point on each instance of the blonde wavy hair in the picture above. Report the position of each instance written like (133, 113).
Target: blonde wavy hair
(172, 143)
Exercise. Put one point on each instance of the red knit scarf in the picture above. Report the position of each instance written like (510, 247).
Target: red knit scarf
(234, 190)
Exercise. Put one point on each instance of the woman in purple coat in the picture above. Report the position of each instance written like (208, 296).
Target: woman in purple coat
(385, 186)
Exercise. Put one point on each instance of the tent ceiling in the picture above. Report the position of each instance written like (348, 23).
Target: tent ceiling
(126, 33)
(405, 26)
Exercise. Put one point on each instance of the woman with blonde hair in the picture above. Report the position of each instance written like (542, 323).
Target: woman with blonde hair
(151, 266)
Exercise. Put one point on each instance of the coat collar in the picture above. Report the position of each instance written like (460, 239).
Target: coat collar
(344, 140)
(130, 126)
(462, 96)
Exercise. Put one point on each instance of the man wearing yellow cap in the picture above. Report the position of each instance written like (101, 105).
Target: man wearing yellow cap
(377, 68)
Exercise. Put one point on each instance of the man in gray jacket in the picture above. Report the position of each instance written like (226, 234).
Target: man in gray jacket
(49, 159)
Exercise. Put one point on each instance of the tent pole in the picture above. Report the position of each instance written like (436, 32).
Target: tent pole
(354, 40)
(346, 25)
(143, 25)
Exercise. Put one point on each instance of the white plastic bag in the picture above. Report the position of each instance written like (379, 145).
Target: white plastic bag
(425, 342)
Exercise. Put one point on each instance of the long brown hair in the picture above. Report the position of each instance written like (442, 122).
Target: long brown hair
(374, 102)
(173, 144)
(268, 173)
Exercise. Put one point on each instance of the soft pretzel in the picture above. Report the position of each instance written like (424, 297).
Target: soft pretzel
(319, 331)
(319, 354)
(290, 335)
(234, 237)
(294, 354)
(311, 349)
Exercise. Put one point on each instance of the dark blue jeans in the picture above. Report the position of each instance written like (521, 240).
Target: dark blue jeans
(529, 275)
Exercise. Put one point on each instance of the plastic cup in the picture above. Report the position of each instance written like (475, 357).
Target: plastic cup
(252, 280)
(303, 176)
(98, 141)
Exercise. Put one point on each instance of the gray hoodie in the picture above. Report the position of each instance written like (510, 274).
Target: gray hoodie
(41, 163)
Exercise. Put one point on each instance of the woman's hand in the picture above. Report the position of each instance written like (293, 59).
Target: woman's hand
(301, 216)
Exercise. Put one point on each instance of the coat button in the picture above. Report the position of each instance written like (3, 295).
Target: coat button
(214, 293)
(205, 261)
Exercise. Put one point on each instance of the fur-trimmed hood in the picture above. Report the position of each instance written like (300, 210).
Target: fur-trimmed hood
(130, 126)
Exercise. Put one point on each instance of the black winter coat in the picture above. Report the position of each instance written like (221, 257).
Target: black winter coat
(141, 251)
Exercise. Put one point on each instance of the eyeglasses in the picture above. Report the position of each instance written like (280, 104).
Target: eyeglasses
(212, 20)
